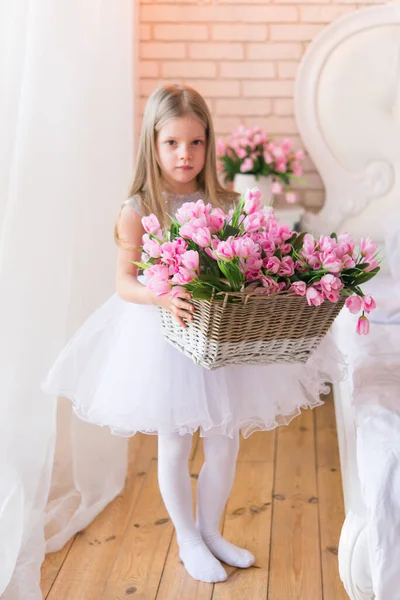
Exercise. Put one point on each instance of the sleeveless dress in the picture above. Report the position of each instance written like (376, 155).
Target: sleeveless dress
(119, 372)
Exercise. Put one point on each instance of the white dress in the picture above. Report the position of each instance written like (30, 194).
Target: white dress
(119, 372)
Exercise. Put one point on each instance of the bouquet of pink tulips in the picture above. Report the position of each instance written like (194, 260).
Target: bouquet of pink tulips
(252, 152)
(208, 252)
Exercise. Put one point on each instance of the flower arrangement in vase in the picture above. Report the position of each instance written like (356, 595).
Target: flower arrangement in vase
(249, 158)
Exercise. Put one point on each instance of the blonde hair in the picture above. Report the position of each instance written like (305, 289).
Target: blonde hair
(168, 102)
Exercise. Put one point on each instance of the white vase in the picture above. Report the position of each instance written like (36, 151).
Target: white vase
(243, 181)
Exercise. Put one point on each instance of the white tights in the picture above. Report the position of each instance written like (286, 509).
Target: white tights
(200, 543)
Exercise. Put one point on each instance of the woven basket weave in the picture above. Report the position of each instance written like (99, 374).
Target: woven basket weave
(242, 328)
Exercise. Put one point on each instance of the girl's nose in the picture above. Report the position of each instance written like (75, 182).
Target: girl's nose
(185, 152)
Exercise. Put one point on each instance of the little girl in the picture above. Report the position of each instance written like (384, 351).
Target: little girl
(118, 370)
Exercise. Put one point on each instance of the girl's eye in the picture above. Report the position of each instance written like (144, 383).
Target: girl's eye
(170, 142)
(197, 142)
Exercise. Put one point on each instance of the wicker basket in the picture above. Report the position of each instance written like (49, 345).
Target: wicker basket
(242, 328)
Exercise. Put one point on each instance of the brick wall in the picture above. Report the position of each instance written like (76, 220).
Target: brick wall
(242, 56)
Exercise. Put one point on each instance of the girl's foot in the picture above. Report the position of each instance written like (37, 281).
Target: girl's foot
(200, 563)
(227, 552)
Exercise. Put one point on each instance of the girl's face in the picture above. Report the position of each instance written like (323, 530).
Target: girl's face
(181, 152)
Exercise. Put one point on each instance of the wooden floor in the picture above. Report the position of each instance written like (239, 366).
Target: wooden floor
(286, 507)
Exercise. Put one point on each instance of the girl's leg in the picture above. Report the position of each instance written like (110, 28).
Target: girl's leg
(213, 488)
(176, 491)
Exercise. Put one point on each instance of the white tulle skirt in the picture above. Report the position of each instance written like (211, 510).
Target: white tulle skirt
(119, 372)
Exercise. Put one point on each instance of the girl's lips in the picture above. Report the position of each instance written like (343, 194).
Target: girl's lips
(185, 168)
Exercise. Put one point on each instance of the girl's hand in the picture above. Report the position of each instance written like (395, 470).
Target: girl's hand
(179, 307)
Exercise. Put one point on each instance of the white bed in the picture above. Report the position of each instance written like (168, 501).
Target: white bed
(348, 113)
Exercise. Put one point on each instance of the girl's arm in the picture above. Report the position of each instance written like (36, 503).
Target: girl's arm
(130, 232)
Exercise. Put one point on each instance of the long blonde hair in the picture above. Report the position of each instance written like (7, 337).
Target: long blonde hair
(169, 102)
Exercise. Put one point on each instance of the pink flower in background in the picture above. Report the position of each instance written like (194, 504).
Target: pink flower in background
(221, 147)
(314, 298)
(247, 165)
(151, 225)
(299, 155)
(202, 237)
(268, 158)
(277, 187)
(299, 287)
(281, 166)
(190, 260)
(286, 145)
(354, 304)
(369, 304)
(253, 202)
(363, 326)
(151, 246)
(297, 169)
(241, 152)
(291, 198)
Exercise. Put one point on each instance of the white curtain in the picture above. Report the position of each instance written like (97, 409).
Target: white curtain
(66, 134)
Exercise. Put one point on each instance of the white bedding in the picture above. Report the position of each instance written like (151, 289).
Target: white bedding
(374, 392)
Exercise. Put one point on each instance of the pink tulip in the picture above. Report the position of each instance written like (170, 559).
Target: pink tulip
(330, 283)
(183, 276)
(151, 225)
(187, 230)
(272, 264)
(225, 251)
(245, 247)
(287, 267)
(159, 280)
(354, 304)
(314, 298)
(299, 287)
(151, 247)
(363, 326)
(281, 166)
(254, 222)
(247, 165)
(331, 262)
(271, 286)
(368, 247)
(177, 291)
(202, 237)
(369, 304)
(241, 153)
(190, 260)
(268, 158)
(297, 169)
(216, 220)
(308, 243)
(286, 145)
(277, 187)
(299, 155)
(291, 198)
(252, 200)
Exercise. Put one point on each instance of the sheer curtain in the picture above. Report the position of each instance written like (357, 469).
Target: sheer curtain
(66, 129)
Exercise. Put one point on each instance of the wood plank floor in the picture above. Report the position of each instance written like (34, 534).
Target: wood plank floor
(286, 507)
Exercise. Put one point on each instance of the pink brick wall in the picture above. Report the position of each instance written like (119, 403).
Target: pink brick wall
(242, 56)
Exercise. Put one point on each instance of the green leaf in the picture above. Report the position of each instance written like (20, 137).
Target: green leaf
(228, 231)
(299, 240)
(366, 276)
(143, 266)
